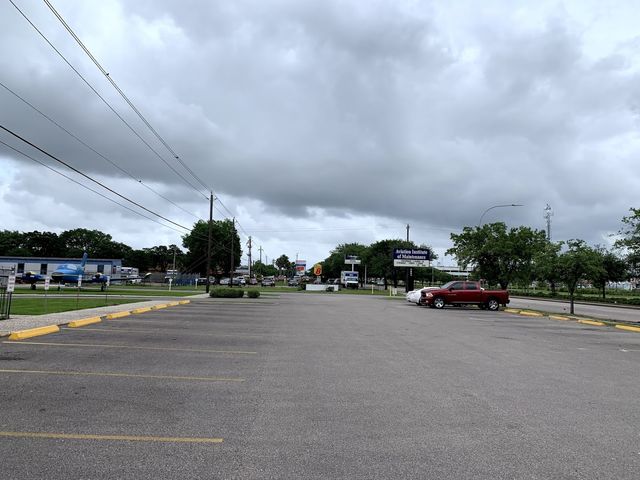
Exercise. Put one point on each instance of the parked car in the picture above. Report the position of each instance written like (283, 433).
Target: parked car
(293, 282)
(268, 282)
(224, 281)
(464, 293)
(414, 295)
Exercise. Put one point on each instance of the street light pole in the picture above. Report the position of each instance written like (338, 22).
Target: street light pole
(497, 206)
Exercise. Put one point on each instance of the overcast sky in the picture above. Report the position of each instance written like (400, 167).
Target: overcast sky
(323, 122)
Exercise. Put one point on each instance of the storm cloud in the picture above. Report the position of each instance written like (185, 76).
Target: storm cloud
(318, 123)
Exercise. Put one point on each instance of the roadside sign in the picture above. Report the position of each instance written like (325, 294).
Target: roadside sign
(352, 260)
(411, 257)
(317, 269)
(108, 280)
(11, 283)
(79, 281)
(47, 281)
(301, 266)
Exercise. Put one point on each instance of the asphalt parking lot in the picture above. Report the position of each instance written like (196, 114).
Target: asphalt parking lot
(321, 386)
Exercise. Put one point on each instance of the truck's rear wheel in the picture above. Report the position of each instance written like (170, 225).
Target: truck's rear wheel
(492, 304)
(438, 302)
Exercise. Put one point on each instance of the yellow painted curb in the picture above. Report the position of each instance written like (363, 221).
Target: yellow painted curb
(184, 302)
(530, 314)
(118, 315)
(33, 332)
(558, 317)
(628, 327)
(141, 310)
(83, 322)
(511, 310)
(591, 322)
(158, 307)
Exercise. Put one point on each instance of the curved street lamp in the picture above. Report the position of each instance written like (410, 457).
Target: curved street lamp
(497, 206)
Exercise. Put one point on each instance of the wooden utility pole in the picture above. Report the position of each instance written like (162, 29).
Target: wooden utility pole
(231, 266)
(209, 241)
(249, 245)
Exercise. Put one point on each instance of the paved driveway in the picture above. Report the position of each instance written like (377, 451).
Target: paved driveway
(321, 387)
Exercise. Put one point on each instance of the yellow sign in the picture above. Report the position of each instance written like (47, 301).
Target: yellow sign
(317, 269)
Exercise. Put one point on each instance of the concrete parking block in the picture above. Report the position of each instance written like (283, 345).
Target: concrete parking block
(33, 332)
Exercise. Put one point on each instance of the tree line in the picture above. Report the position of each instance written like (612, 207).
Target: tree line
(522, 255)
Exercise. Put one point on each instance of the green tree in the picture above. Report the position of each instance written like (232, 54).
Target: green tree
(12, 243)
(379, 260)
(223, 236)
(334, 263)
(284, 264)
(545, 265)
(578, 262)
(139, 259)
(44, 244)
(613, 269)
(80, 240)
(497, 254)
(260, 268)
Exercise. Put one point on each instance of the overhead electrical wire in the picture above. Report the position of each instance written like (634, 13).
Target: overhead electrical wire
(105, 101)
(90, 178)
(87, 187)
(123, 95)
(94, 150)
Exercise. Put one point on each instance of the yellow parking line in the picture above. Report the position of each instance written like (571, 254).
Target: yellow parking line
(122, 438)
(118, 315)
(133, 347)
(84, 321)
(628, 327)
(33, 332)
(168, 332)
(124, 375)
(591, 322)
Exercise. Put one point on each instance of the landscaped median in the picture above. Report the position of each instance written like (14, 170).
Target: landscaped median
(572, 318)
(46, 329)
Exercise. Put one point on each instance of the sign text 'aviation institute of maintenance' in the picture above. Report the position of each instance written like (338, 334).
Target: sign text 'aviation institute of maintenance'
(411, 257)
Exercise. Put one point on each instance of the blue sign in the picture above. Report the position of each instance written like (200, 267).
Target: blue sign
(411, 257)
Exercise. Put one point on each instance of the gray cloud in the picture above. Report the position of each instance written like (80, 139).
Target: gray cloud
(326, 112)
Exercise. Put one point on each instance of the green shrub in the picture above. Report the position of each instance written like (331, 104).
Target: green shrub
(226, 292)
(253, 293)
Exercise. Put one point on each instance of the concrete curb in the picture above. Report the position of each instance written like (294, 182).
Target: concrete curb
(22, 334)
(33, 332)
(84, 321)
(584, 321)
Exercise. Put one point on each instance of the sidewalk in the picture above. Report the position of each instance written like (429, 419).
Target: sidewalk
(24, 322)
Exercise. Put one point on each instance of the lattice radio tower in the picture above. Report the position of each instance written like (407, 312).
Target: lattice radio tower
(548, 213)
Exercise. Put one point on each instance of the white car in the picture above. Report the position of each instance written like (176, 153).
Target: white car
(414, 295)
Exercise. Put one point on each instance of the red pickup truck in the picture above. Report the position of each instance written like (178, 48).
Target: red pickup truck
(465, 293)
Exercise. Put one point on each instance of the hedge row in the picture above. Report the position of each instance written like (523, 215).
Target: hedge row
(225, 292)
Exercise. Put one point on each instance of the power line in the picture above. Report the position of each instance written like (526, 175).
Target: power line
(122, 94)
(92, 149)
(105, 101)
(90, 178)
(86, 187)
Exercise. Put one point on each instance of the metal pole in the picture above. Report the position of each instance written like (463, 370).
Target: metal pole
(209, 242)
(497, 206)
(231, 269)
